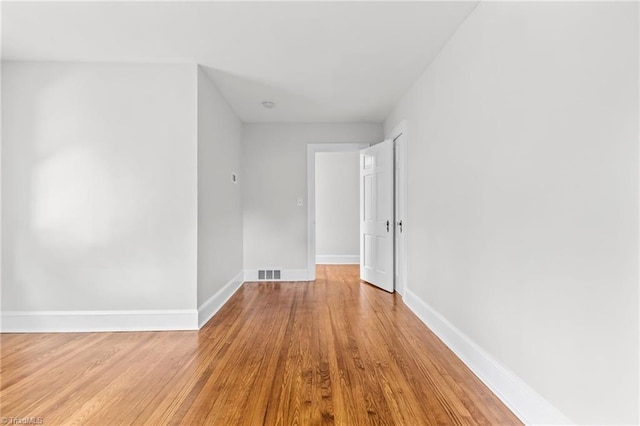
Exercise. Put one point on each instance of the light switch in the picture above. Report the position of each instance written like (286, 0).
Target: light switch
(300, 203)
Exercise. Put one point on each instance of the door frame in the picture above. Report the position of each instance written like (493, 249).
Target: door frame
(312, 148)
(400, 204)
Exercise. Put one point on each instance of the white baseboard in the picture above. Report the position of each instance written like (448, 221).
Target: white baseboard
(524, 402)
(98, 321)
(286, 275)
(209, 308)
(331, 259)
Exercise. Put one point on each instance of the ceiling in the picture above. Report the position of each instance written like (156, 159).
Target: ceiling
(318, 61)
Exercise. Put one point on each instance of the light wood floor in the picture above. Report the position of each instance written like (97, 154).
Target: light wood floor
(334, 351)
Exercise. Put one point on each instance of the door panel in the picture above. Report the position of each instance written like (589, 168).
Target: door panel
(376, 215)
(368, 197)
(368, 251)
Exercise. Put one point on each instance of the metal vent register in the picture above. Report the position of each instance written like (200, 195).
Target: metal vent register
(269, 274)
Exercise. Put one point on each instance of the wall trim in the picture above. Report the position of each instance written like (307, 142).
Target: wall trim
(213, 304)
(287, 275)
(529, 406)
(337, 259)
(98, 321)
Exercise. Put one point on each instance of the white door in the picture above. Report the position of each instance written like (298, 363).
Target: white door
(376, 215)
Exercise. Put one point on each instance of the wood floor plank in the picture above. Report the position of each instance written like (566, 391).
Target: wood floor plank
(335, 351)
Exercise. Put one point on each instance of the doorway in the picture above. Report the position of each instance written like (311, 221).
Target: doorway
(399, 136)
(312, 150)
(337, 208)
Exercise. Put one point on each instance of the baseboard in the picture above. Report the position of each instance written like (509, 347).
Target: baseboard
(209, 308)
(98, 321)
(286, 275)
(331, 259)
(524, 402)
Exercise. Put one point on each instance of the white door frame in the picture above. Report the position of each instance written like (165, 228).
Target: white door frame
(312, 148)
(401, 206)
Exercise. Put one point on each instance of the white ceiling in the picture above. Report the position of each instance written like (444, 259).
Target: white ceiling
(318, 61)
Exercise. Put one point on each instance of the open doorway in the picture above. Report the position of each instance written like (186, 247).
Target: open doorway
(337, 208)
(399, 137)
(332, 243)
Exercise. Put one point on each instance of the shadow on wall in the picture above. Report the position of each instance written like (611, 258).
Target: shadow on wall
(76, 204)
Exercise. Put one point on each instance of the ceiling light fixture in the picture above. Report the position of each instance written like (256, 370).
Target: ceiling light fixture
(268, 104)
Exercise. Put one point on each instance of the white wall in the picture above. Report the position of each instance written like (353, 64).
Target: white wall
(98, 187)
(275, 176)
(219, 199)
(523, 196)
(337, 206)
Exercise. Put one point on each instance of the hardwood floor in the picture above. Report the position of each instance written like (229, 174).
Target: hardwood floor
(334, 351)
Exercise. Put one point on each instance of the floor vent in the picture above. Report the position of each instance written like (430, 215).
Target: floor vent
(269, 274)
